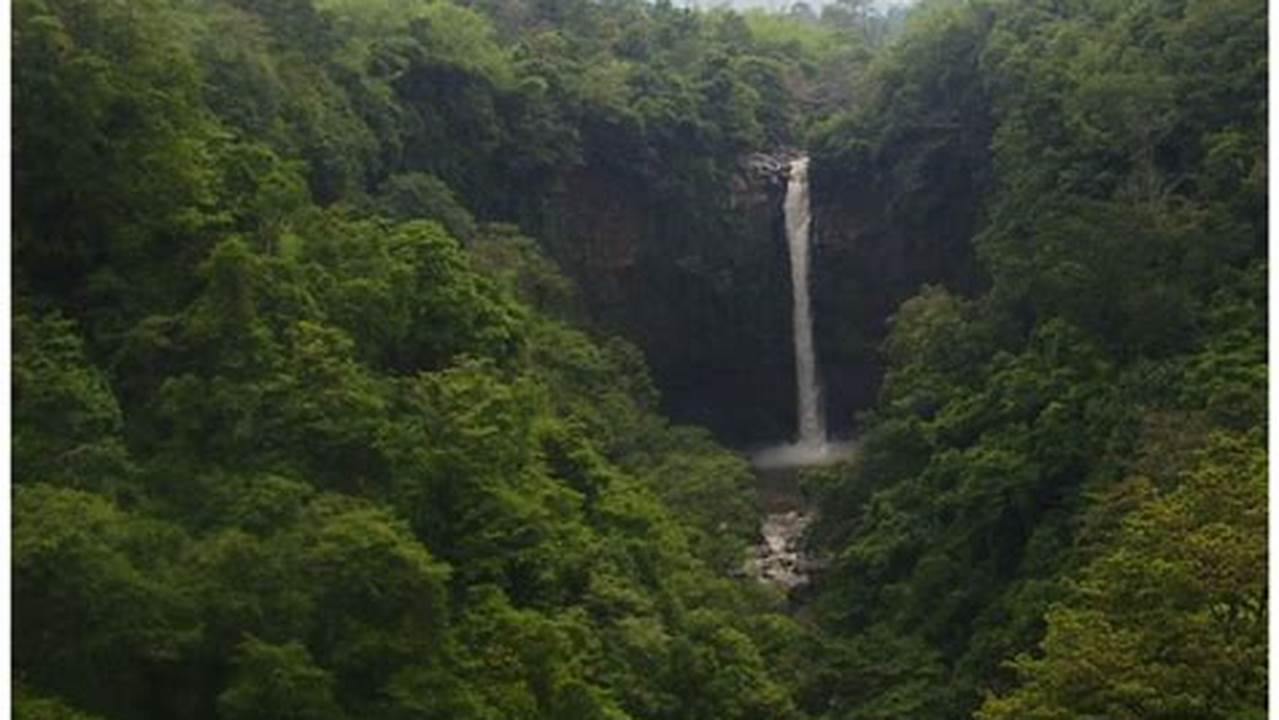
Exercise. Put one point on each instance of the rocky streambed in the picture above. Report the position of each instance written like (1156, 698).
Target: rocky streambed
(780, 558)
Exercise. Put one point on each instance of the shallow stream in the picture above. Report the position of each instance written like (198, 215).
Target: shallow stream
(779, 558)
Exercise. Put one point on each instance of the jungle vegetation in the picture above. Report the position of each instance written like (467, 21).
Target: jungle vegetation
(308, 422)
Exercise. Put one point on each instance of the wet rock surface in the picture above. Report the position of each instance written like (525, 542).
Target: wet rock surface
(694, 274)
(780, 558)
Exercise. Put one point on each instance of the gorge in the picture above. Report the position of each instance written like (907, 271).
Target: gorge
(446, 360)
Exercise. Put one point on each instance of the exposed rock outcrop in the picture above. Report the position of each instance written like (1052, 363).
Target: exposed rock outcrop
(877, 240)
(703, 289)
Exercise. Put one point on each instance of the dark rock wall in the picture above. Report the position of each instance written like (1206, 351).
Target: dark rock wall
(881, 234)
(703, 287)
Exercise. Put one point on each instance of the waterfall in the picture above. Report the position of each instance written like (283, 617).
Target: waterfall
(812, 425)
(812, 447)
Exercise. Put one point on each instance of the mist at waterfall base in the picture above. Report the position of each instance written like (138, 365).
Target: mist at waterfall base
(813, 446)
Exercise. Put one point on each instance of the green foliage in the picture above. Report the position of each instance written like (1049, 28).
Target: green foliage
(461, 37)
(274, 681)
(417, 195)
(344, 458)
(1156, 626)
(67, 424)
(710, 489)
(1031, 474)
(97, 588)
(28, 706)
(302, 429)
(816, 41)
(107, 98)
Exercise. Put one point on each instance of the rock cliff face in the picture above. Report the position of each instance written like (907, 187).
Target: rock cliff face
(702, 286)
(877, 240)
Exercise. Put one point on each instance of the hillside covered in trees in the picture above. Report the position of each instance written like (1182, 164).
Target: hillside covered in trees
(396, 359)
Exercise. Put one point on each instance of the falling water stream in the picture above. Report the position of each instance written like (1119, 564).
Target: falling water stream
(812, 425)
(779, 558)
(812, 446)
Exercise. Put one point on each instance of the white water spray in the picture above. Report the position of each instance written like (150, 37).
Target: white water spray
(812, 446)
(812, 427)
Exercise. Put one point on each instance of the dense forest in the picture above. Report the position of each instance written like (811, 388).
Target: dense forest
(398, 359)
